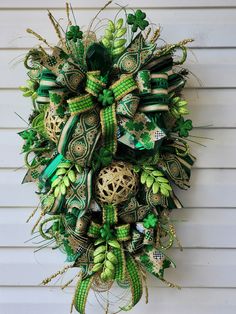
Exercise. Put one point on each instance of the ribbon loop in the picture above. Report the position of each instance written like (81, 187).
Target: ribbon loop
(80, 104)
(94, 83)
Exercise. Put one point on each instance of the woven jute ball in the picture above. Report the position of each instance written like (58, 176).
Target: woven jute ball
(116, 183)
(53, 124)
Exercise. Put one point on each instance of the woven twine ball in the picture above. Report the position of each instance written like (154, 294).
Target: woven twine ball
(53, 123)
(116, 183)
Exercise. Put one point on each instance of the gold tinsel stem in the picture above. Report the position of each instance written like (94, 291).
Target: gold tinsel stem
(156, 35)
(103, 8)
(60, 272)
(148, 33)
(170, 284)
(38, 221)
(169, 47)
(39, 37)
(32, 214)
(172, 229)
(68, 13)
(70, 281)
(55, 25)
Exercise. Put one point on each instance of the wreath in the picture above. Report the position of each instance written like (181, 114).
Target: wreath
(106, 143)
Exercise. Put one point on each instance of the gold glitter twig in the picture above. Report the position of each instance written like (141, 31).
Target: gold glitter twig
(39, 37)
(55, 25)
(170, 284)
(155, 35)
(68, 13)
(148, 33)
(60, 272)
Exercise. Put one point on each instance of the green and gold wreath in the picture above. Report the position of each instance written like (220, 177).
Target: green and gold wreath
(109, 141)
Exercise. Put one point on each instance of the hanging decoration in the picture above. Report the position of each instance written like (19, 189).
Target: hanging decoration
(107, 142)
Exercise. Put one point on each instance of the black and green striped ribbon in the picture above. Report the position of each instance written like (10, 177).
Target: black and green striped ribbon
(109, 127)
(81, 294)
(47, 82)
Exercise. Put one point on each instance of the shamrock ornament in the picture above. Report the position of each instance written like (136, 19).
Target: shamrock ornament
(106, 232)
(74, 33)
(150, 221)
(102, 158)
(30, 137)
(106, 98)
(137, 20)
(55, 98)
(183, 127)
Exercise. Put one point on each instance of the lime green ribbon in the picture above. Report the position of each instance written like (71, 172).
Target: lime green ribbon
(135, 281)
(81, 294)
(95, 84)
(110, 218)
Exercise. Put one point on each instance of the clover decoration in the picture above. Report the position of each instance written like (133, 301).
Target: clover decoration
(74, 33)
(30, 137)
(106, 232)
(150, 221)
(183, 127)
(55, 98)
(137, 20)
(106, 97)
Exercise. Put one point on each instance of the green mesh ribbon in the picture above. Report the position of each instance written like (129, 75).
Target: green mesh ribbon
(109, 127)
(80, 104)
(81, 294)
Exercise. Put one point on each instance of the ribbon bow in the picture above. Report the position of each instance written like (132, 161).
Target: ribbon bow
(135, 128)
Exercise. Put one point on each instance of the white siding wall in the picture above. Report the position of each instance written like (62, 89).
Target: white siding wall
(206, 269)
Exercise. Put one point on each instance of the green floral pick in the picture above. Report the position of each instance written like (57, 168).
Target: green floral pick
(137, 20)
(102, 158)
(183, 127)
(74, 33)
(30, 137)
(106, 98)
(55, 98)
(106, 232)
(150, 221)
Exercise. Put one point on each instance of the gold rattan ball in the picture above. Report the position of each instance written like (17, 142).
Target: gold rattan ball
(53, 123)
(116, 183)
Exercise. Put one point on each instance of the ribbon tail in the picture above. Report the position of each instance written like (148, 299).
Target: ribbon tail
(81, 294)
(135, 280)
(109, 127)
(121, 265)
